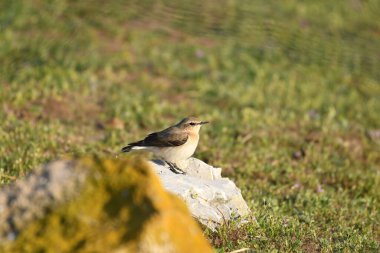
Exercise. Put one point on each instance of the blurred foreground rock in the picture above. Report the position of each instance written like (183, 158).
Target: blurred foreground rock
(212, 200)
(95, 205)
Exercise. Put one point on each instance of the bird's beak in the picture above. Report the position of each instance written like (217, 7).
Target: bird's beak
(203, 122)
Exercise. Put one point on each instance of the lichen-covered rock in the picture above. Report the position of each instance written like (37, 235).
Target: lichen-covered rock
(95, 205)
(212, 199)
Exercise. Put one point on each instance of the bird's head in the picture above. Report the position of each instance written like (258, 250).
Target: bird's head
(191, 124)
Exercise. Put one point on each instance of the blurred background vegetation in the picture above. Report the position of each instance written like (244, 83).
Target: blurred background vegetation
(292, 89)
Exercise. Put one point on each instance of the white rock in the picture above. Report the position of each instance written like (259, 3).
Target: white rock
(212, 200)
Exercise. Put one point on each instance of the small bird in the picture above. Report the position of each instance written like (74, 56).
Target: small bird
(174, 144)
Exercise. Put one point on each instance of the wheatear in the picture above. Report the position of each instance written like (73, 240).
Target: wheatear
(174, 144)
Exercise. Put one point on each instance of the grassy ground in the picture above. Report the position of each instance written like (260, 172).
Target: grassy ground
(292, 90)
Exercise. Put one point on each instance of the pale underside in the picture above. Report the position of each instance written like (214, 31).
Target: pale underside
(175, 154)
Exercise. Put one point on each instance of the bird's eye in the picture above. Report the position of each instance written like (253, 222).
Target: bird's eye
(192, 123)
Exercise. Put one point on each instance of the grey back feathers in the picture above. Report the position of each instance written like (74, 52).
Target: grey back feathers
(169, 137)
(173, 136)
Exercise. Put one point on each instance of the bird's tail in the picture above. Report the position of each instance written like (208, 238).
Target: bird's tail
(126, 149)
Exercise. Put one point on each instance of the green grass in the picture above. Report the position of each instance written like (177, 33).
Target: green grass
(292, 90)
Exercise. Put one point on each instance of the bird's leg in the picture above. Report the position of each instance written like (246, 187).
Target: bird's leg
(174, 168)
(171, 167)
(180, 171)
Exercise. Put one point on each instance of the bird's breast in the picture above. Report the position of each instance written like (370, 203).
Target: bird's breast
(189, 147)
(182, 152)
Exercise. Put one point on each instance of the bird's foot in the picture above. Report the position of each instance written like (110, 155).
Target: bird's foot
(174, 168)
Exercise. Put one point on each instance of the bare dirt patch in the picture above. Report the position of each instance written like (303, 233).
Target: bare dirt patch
(68, 107)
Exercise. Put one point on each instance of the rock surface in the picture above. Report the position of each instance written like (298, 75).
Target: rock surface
(211, 199)
(29, 198)
(95, 205)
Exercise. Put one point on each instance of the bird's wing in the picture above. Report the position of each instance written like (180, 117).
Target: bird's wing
(166, 138)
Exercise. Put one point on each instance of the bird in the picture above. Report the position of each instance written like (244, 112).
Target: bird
(174, 144)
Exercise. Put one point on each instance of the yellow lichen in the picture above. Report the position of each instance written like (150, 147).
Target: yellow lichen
(122, 207)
